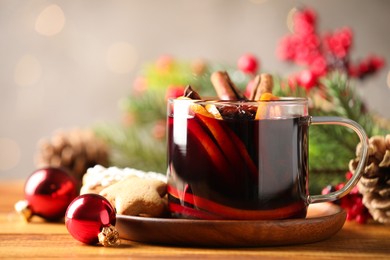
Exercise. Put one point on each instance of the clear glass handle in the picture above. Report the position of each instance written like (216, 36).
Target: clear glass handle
(362, 163)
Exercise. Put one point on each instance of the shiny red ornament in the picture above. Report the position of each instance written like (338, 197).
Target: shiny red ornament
(90, 219)
(48, 192)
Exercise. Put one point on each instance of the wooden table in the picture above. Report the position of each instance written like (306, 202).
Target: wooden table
(51, 240)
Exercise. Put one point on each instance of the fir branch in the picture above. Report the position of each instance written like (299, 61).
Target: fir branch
(134, 147)
(148, 107)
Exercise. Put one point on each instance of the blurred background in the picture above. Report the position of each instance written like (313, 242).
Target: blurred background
(66, 64)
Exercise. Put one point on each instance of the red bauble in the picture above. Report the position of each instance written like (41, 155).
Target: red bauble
(248, 64)
(48, 192)
(88, 216)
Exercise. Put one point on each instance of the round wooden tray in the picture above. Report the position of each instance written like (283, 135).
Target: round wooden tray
(323, 220)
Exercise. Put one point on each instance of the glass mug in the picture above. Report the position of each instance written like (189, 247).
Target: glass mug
(245, 159)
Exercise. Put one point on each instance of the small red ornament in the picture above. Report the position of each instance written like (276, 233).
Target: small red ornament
(90, 219)
(48, 192)
(248, 63)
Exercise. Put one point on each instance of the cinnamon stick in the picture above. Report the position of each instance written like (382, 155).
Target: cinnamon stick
(225, 88)
(264, 83)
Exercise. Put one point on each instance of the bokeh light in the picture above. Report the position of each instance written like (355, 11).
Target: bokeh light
(121, 57)
(28, 70)
(10, 154)
(50, 21)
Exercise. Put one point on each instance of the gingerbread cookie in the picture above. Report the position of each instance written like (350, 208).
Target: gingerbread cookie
(99, 177)
(138, 197)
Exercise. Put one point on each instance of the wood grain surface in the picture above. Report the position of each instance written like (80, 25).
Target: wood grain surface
(39, 239)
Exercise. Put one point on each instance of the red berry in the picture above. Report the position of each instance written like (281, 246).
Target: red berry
(355, 190)
(348, 175)
(305, 21)
(353, 71)
(370, 65)
(328, 189)
(248, 64)
(350, 216)
(340, 186)
(307, 79)
(376, 62)
(352, 203)
(307, 49)
(287, 47)
(292, 81)
(361, 218)
(340, 42)
(319, 65)
(356, 209)
(345, 202)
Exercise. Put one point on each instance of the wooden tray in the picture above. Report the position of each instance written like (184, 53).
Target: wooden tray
(323, 221)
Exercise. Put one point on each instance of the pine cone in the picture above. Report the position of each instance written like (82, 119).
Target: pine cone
(76, 149)
(375, 182)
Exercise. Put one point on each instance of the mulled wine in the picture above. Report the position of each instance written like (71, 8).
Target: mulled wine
(228, 164)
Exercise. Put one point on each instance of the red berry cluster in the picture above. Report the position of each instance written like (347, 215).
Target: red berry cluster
(321, 54)
(367, 66)
(352, 203)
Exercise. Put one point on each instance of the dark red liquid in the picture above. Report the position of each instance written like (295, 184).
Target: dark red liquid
(238, 168)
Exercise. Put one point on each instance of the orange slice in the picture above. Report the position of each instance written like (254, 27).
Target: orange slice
(263, 108)
(212, 109)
